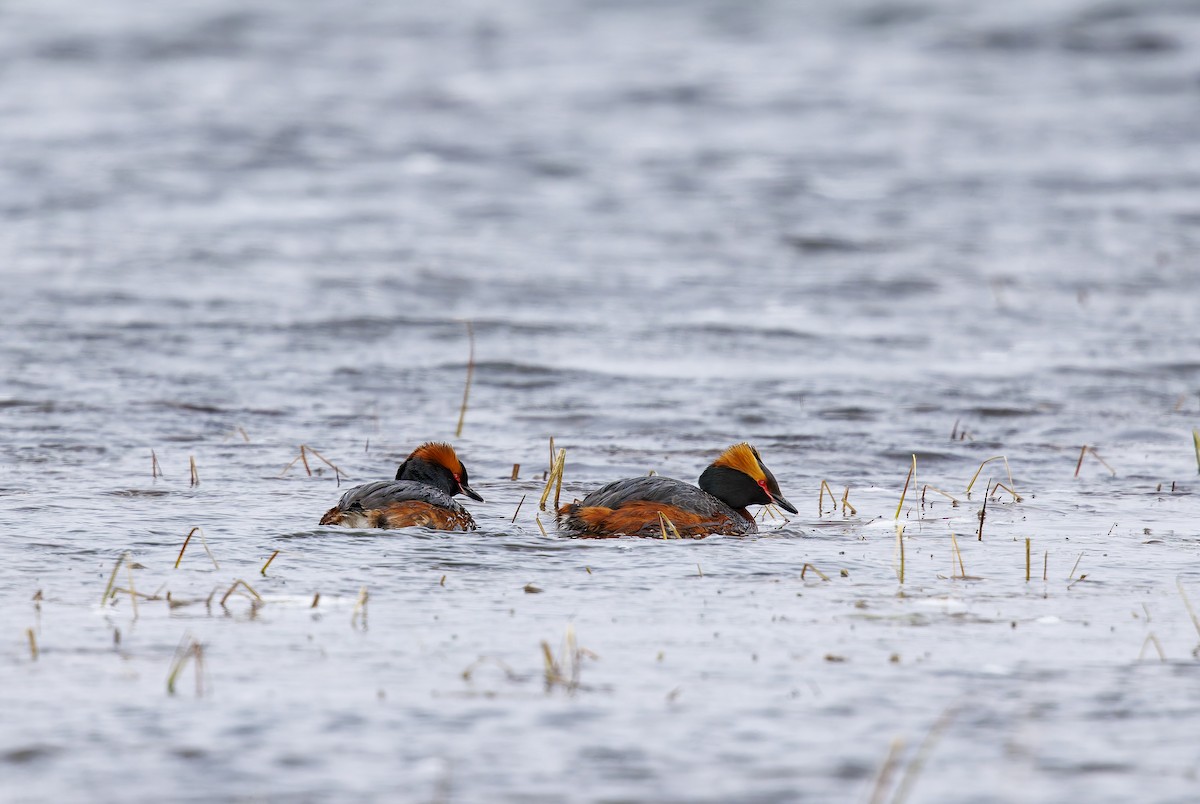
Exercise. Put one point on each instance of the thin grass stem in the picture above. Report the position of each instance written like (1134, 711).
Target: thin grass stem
(462, 411)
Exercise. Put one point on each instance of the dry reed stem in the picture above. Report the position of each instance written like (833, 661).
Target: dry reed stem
(928, 487)
(821, 499)
(699, 571)
(541, 527)
(1152, 639)
(1084, 451)
(1075, 566)
(846, 503)
(1045, 564)
(203, 543)
(522, 502)
(1079, 463)
(554, 479)
(254, 596)
(195, 474)
(983, 510)
(360, 607)
(303, 458)
(113, 578)
(962, 571)
(912, 470)
(884, 778)
(1007, 469)
(1188, 604)
(900, 542)
(263, 571)
(917, 763)
(1016, 497)
(1027, 559)
(1097, 456)
(516, 471)
(1196, 444)
(316, 600)
(188, 649)
(462, 411)
(185, 544)
(664, 522)
(133, 595)
(155, 468)
(33, 648)
(808, 567)
(565, 672)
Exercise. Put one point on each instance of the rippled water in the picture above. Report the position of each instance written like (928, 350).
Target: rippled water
(842, 231)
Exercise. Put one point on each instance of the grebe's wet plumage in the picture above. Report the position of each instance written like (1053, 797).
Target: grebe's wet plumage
(422, 494)
(631, 507)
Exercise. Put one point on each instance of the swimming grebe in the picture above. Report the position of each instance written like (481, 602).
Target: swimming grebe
(421, 494)
(631, 507)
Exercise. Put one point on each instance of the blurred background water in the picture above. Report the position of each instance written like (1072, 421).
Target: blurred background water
(847, 232)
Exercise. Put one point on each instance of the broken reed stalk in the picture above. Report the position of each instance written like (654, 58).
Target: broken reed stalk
(195, 474)
(113, 578)
(912, 470)
(1188, 604)
(188, 649)
(821, 499)
(917, 763)
(883, 780)
(254, 596)
(1084, 450)
(522, 502)
(360, 607)
(462, 411)
(983, 510)
(554, 479)
(1196, 444)
(155, 468)
(263, 571)
(900, 541)
(1152, 639)
(664, 522)
(541, 527)
(303, 458)
(132, 591)
(928, 487)
(33, 648)
(1045, 564)
(962, 572)
(1027, 545)
(1007, 469)
(516, 471)
(1075, 566)
(1016, 497)
(846, 503)
(808, 567)
(203, 542)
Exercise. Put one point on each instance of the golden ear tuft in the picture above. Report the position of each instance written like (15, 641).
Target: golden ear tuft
(439, 453)
(744, 459)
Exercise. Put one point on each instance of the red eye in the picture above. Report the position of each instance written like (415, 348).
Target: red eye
(763, 484)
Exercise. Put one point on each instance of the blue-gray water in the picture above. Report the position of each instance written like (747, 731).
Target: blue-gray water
(841, 231)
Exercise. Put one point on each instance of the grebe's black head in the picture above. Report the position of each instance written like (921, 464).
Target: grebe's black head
(436, 465)
(738, 478)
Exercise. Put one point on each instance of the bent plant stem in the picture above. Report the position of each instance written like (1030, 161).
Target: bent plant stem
(664, 522)
(112, 579)
(1007, 469)
(462, 411)
(912, 470)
